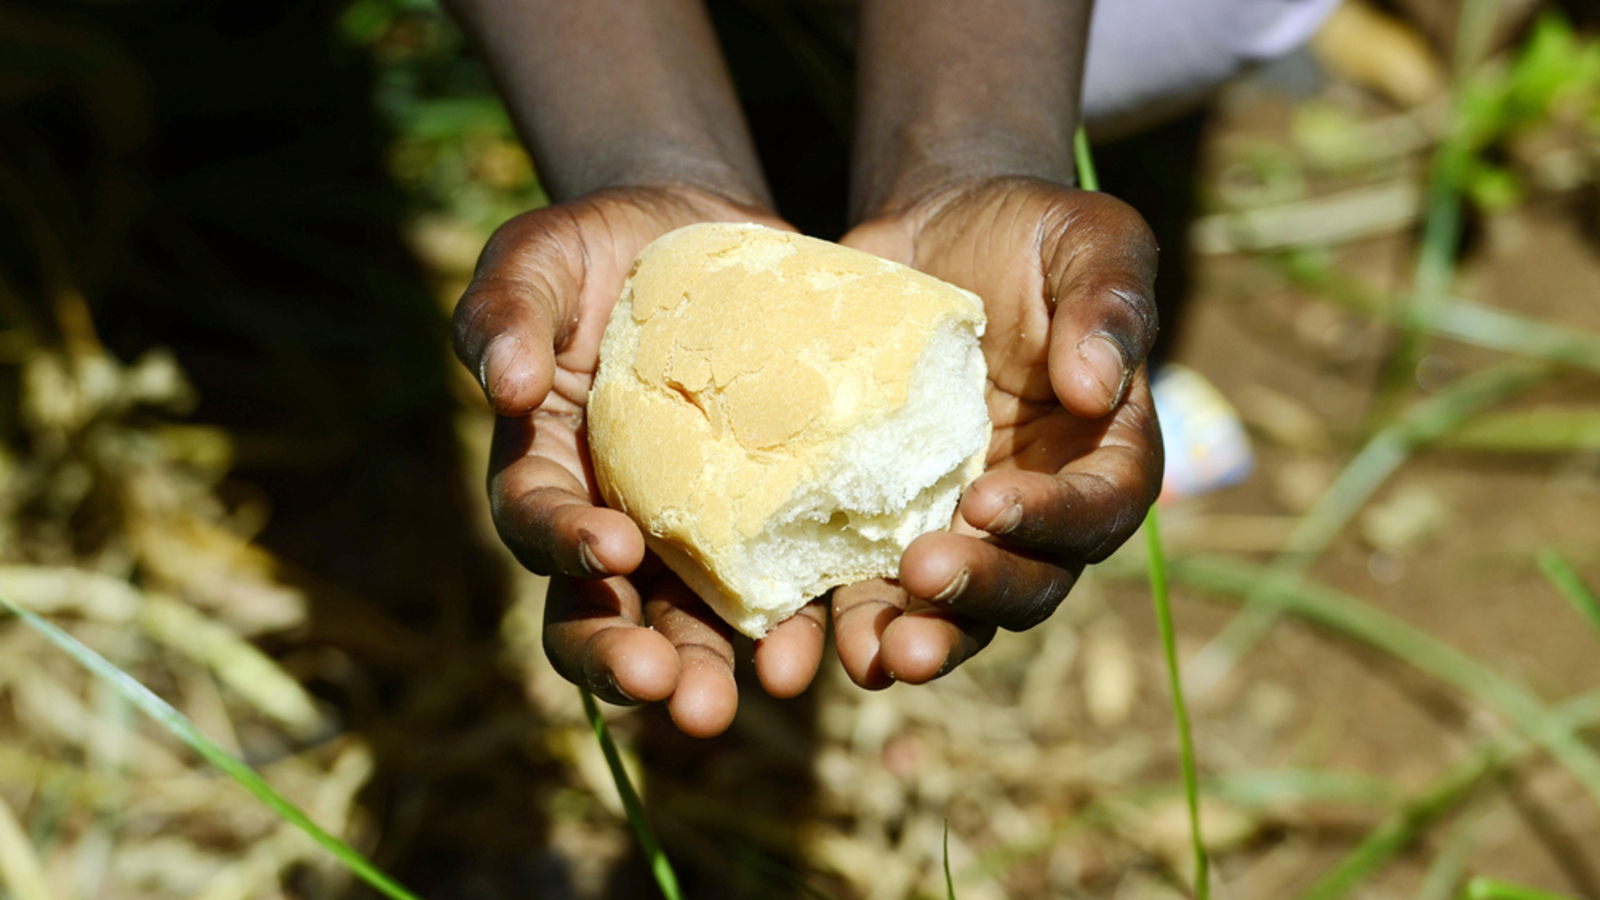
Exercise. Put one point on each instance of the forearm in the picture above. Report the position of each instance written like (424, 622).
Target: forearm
(609, 93)
(955, 89)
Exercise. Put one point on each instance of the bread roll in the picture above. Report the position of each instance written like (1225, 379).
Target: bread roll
(782, 415)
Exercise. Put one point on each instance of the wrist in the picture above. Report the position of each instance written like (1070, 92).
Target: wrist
(926, 170)
(615, 93)
(951, 90)
(681, 169)
(685, 201)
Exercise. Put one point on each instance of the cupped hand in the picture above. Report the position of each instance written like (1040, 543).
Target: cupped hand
(1066, 278)
(529, 325)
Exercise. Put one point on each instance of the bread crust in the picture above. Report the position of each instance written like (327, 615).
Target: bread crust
(736, 361)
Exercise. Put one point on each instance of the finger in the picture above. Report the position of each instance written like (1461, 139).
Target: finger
(984, 581)
(1100, 267)
(788, 657)
(926, 642)
(506, 324)
(861, 612)
(594, 638)
(706, 697)
(1087, 510)
(545, 515)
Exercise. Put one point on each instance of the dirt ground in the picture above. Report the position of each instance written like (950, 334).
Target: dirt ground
(1469, 580)
(1053, 756)
(250, 217)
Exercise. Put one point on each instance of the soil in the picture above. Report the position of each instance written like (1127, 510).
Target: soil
(319, 339)
(1041, 753)
(1469, 580)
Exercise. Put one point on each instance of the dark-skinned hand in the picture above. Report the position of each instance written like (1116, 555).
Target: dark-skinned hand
(1075, 461)
(529, 325)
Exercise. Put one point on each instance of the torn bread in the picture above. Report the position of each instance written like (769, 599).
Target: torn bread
(782, 415)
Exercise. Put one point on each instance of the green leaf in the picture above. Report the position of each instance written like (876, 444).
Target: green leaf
(1566, 580)
(1157, 565)
(184, 730)
(660, 867)
(949, 882)
(1490, 889)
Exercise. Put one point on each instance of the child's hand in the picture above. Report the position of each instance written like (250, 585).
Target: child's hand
(1066, 278)
(530, 326)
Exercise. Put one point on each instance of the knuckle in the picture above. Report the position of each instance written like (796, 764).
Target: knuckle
(1133, 307)
(1041, 604)
(526, 265)
(700, 651)
(528, 523)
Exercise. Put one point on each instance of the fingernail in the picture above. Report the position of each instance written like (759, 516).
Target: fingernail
(1008, 519)
(968, 646)
(954, 589)
(590, 562)
(496, 359)
(1104, 359)
(616, 688)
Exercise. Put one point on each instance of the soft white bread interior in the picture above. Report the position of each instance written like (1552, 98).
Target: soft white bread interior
(782, 415)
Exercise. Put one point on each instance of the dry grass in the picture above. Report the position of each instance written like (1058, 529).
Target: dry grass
(1051, 757)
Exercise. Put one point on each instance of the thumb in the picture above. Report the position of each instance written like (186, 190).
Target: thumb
(505, 325)
(1100, 268)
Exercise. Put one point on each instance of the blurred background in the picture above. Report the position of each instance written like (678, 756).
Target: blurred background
(240, 462)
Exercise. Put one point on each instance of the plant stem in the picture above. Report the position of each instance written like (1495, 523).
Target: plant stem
(660, 867)
(1441, 230)
(1088, 179)
(1450, 865)
(1346, 614)
(1402, 827)
(184, 730)
(1490, 889)
(1169, 648)
(1366, 472)
(949, 882)
(1560, 573)
(1456, 319)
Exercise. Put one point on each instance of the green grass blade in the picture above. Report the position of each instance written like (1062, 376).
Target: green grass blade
(1088, 178)
(660, 867)
(1490, 889)
(1449, 866)
(1295, 787)
(1566, 580)
(1367, 471)
(1435, 269)
(1485, 326)
(1529, 431)
(1348, 615)
(1441, 229)
(1459, 320)
(1403, 827)
(1156, 560)
(1291, 788)
(184, 730)
(1460, 781)
(1258, 792)
(949, 882)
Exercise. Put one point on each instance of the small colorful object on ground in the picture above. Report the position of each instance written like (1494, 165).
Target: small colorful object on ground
(1206, 444)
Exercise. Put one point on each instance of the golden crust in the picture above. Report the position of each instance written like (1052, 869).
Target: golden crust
(735, 359)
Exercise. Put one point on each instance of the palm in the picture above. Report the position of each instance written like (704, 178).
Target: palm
(582, 251)
(530, 325)
(1074, 457)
